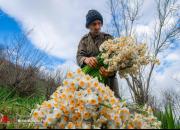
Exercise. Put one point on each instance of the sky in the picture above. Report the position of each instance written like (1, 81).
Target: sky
(58, 26)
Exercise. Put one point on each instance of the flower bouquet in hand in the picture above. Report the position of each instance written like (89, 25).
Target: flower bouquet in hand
(94, 67)
(123, 55)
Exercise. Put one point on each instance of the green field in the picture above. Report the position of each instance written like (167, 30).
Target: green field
(16, 107)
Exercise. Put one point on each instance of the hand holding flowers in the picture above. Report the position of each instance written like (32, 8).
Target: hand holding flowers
(123, 55)
(105, 73)
(91, 61)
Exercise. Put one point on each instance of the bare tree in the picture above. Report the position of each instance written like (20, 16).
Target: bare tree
(53, 80)
(172, 97)
(21, 65)
(162, 38)
(124, 14)
(114, 10)
(2, 55)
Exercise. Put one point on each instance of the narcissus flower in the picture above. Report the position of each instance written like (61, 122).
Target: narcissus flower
(82, 102)
(125, 55)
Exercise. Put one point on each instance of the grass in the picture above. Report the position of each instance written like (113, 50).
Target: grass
(16, 107)
(167, 118)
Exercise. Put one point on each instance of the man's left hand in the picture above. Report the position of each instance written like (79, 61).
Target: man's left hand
(105, 73)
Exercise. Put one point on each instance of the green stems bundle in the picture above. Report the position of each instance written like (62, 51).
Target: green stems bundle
(94, 72)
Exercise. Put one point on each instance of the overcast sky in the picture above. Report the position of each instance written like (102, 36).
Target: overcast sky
(58, 26)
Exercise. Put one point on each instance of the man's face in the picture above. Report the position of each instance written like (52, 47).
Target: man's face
(95, 27)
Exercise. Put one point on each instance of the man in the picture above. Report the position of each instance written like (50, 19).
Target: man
(89, 45)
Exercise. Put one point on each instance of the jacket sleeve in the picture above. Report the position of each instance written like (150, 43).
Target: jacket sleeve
(81, 53)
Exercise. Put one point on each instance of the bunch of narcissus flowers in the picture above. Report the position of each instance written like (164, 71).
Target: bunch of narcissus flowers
(83, 102)
(125, 55)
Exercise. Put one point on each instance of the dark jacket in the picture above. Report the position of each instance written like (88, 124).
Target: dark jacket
(89, 47)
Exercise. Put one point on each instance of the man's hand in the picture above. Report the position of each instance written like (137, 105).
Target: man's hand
(105, 73)
(91, 61)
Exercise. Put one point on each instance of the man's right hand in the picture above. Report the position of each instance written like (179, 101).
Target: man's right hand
(91, 61)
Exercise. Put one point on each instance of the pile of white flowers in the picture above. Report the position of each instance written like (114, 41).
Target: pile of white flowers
(125, 55)
(82, 102)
